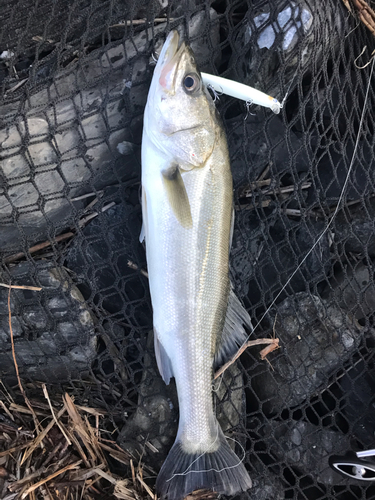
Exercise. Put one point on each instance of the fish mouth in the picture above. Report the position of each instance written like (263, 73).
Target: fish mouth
(170, 47)
(168, 61)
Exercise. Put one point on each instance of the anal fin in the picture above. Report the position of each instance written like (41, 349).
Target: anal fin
(142, 236)
(162, 359)
(234, 333)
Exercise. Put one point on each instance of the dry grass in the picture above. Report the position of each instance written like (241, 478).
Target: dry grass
(50, 449)
(53, 449)
(64, 457)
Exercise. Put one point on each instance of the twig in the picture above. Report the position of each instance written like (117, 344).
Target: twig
(288, 189)
(105, 475)
(45, 480)
(81, 429)
(41, 436)
(332, 208)
(202, 494)
(10, 451)
(271, 190)
(265, 172)
(40, 39)
(22, 409)
(133, 471)
(260, 183)
(16, 485)
(6, 393)
(46, 395)
(115, 355)
(22, 287)
(6, 410)
(146, 487)
(136, 268)
(92, 411)
(120, 456)
(17, 86)
(39, 246)
(87, 218)
(52, 454)
(249, 343)
(88, 195)
(35, 418)
(80, 450)
(293, 212)
(136, 22)
(151, 447)
(250, 206)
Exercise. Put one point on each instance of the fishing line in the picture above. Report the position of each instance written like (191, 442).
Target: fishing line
(336, 209)
(187, 471)
(216, 386)
(195, 460)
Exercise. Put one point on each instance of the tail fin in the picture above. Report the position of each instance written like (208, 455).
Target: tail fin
(220, 471)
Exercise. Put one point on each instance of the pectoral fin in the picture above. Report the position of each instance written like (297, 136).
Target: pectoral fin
(234, 333)
(177, 195)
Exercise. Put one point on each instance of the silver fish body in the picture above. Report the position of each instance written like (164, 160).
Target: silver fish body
(187, 217)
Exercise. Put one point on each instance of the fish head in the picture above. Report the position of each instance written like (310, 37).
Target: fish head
(180, 116)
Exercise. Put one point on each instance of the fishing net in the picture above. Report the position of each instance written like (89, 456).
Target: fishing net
(74, 77)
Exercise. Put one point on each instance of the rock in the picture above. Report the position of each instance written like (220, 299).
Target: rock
(64, 143)
(267, 487)
(316, 337)
(99, 258)
(247, 245)
(259, 143)
(265, 255)
(156, 417)
(279, 41)
(203, 29)
(306, 448)
(204, 38)
(331, 171)
(50, 157)
(53, 330)
(353, 289)
(37, 53)
(358, 403)
(354, 228)
(229, 401)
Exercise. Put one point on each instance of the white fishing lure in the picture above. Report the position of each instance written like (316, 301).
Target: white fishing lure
(241, 91)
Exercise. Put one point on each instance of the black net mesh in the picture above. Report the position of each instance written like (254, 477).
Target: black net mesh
(74, 77)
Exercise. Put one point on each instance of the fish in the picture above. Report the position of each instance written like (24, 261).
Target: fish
(188, 216)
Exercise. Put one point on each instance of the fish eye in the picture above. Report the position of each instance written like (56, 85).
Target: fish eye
(191, 82)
